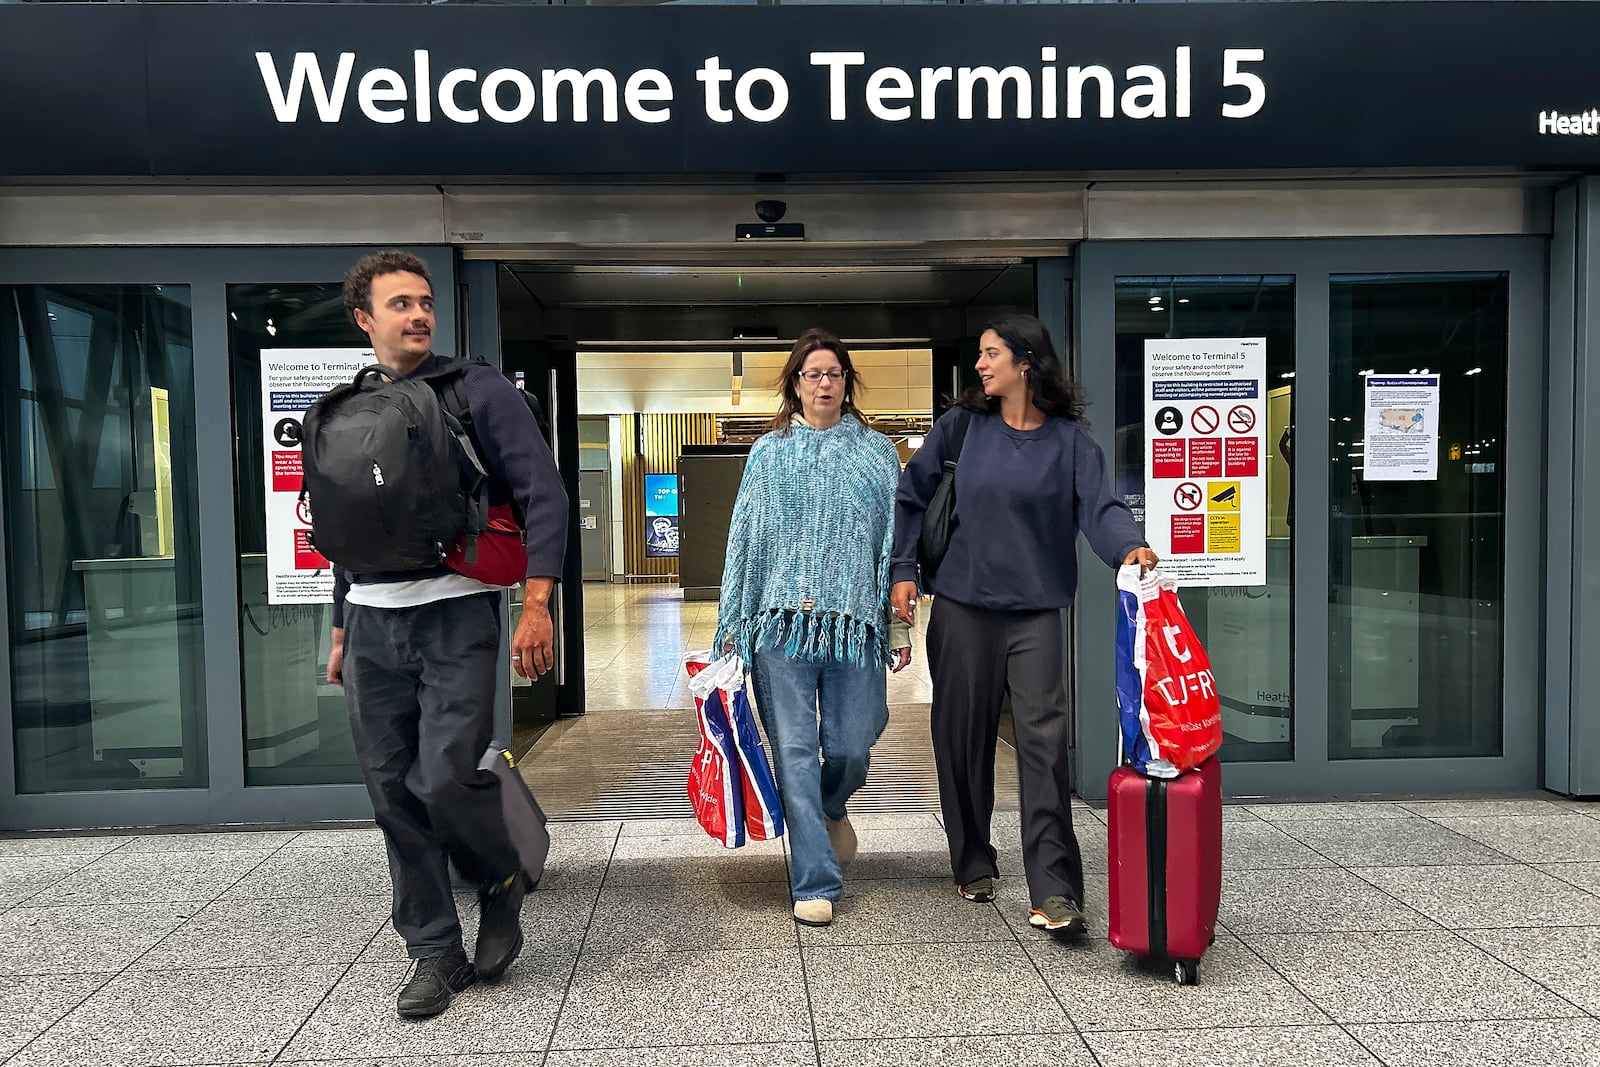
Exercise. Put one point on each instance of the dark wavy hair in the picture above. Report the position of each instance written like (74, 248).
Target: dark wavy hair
(358, 280)
(788, 385)
(1048, 385)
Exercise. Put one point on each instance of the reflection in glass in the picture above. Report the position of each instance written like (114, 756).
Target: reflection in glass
(1417, 566)
(297, 729)
(102, 561)
(1248, 632)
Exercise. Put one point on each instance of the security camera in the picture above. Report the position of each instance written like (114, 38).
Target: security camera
(770, 210)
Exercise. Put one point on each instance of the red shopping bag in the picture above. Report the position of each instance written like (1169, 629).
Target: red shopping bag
(731, 784)
(716, 790)
(1166, 693)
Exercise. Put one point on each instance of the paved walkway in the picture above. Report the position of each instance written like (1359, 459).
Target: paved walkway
(1406, 934)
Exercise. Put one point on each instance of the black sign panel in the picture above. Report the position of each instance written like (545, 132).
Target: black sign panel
(356, 90)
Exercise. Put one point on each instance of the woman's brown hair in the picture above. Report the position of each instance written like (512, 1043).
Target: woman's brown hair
(789, 383)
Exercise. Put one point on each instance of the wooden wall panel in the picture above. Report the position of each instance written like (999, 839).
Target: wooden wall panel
(663, 438)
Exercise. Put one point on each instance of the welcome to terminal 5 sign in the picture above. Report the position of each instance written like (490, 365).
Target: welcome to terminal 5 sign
(418, 91)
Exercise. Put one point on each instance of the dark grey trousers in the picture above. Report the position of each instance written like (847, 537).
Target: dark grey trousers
(975, 657)
(421, 685)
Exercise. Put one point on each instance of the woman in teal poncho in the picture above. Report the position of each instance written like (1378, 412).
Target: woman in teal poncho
(805, 602)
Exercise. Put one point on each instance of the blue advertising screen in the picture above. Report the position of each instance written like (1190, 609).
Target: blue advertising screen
(660, 494)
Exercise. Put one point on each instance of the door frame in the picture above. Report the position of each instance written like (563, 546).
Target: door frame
(1312, 263)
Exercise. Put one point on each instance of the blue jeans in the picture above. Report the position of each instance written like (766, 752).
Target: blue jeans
(854, 708)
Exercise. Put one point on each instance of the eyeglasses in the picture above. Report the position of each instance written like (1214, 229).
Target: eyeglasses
(815, 376)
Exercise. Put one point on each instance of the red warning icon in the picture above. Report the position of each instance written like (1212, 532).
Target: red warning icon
(1205, 419)
(1241, 419)
(1188, 497)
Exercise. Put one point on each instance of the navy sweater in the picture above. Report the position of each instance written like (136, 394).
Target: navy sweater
(1021, 498)
(520, 468)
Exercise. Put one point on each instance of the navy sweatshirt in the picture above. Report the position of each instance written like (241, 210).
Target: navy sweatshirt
(1021, 498)
(520, 468)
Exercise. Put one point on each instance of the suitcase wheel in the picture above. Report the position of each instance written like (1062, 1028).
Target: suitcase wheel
(1186, 972)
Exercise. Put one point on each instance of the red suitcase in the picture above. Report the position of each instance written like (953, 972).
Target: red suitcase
(1166, 864)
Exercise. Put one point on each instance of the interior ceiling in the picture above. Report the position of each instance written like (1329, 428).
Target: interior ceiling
(931, 286)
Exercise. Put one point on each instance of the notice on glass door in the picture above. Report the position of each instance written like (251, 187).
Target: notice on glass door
(1402, 423)
(1205, 483)
(292, 379)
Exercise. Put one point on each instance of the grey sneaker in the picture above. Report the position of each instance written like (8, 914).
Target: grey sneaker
(979, 890)
(1058, 913)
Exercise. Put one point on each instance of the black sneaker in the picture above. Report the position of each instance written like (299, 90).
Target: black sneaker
(433, 983)
(500, 926)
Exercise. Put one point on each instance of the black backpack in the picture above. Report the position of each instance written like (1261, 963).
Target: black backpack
(392, 478)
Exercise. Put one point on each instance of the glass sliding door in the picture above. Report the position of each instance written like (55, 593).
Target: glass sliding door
(102, 563)
(296, 723)
(1248, 632)
(1395, 645)
(1417, 557)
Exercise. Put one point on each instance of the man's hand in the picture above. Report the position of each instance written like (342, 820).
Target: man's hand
(336, 657)
(903, 600)
(902, 660)
(533, 645)
(1145, 558)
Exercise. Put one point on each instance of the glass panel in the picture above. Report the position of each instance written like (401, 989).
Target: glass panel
(297, 729)
(102, 557)
(1248, 632)
(1417, 565)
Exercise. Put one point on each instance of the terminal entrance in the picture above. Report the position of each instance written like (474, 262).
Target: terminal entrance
(655, 382)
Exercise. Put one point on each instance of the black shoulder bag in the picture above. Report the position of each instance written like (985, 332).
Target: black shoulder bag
(939, 521)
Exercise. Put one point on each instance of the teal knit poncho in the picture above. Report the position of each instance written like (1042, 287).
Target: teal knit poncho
(808, 548)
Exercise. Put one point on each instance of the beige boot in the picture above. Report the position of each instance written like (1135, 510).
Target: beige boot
(842, 836)
(813, 912)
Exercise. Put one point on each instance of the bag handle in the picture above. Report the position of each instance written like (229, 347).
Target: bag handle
(963, 419)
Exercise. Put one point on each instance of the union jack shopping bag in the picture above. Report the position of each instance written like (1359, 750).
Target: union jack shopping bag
(731, 786)
(1166, 693)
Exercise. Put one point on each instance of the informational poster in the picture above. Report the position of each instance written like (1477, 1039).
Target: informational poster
(1402, 422)
(1205, 459)
(660, 515)
(292, 379)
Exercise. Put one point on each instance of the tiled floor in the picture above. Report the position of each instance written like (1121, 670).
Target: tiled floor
(1415, 935)
(629, 755)
(635, 638)
(1409, 934)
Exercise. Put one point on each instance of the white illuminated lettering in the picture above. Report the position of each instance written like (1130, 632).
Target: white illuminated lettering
(648, 87)
(712, 76)
(381, 84)
(994, 82)
(580, 84)
(836, 62)
(447, 96)
(329, 100)
(524, 96)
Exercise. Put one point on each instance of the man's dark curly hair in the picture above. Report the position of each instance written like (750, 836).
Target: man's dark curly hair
(358, 281)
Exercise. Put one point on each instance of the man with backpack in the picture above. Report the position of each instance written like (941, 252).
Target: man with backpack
(406, 469)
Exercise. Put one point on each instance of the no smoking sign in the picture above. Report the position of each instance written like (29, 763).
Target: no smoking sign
(1241, 419)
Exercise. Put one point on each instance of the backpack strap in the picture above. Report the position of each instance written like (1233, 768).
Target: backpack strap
(446, 380)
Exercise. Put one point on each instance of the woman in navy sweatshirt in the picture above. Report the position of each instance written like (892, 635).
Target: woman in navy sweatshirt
(1029, 477)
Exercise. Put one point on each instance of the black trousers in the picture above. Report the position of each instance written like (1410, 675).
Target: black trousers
(975, 657)
(421, 685)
